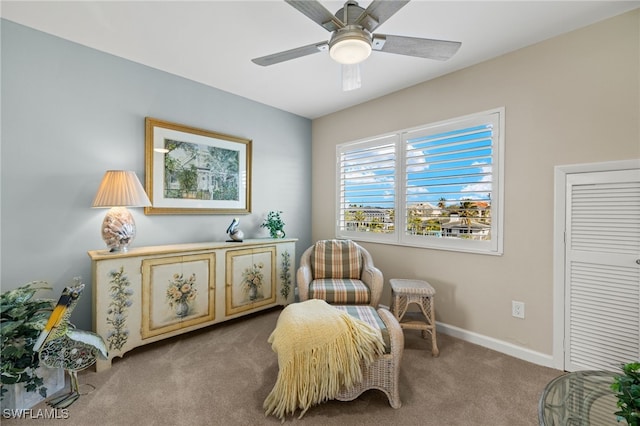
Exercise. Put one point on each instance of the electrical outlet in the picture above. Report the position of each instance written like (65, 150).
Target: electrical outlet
(517, 309)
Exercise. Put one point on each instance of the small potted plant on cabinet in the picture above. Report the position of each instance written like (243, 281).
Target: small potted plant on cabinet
(274, 224)
(23, 383)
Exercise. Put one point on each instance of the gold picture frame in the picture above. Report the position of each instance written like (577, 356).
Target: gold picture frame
(177, 292)
(194, 171)
(250, 279)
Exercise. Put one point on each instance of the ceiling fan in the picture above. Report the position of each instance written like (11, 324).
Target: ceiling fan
(352, 38)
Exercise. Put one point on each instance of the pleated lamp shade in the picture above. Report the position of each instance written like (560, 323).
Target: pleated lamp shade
(118, 190)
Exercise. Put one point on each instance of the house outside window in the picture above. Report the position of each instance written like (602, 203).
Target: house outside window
(439, 186)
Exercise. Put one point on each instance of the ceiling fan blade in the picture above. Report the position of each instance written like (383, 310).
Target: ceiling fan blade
(378, 12)
(313, 10)
(287, 55)
(440, 50)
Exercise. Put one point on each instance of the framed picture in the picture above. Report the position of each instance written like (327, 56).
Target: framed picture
(177, 292)
(195, 171)
(250, 279)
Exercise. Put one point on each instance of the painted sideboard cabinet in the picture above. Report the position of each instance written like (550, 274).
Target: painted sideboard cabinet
(152, 293)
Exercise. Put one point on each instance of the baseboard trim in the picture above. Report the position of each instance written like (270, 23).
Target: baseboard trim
(507, 348)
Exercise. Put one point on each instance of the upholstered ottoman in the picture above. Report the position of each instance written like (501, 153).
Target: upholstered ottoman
(384, 372)
(333, 352)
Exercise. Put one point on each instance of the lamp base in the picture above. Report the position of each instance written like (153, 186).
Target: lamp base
(118, 229)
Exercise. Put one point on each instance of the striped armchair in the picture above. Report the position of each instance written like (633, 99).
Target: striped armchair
(341, 272)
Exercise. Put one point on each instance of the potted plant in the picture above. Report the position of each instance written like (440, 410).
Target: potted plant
(627, 388)
(274, 224)
(22, 320)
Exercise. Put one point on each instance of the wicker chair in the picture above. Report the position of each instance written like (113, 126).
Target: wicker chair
(384, 373)
(340, 272)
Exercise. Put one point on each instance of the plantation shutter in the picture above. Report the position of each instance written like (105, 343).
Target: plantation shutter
(367, 186)
(451, 181)
(602, 276)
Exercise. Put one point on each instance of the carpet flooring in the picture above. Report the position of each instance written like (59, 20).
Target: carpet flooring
(222, 374)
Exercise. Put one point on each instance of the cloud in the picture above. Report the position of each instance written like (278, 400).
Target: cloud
(484, 184)
(359, 172)
(366, 176)
(416, 159)
(417, 190)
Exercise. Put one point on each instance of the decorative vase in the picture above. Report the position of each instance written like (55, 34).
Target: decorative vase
(253, 292)
(182, 309)
(280, 233)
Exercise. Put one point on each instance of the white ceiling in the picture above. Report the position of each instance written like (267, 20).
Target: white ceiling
(213, 42)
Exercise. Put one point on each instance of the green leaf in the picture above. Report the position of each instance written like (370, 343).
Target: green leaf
(22, 317)
(7, 327)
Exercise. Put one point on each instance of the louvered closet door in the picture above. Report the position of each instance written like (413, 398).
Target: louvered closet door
(602, 271)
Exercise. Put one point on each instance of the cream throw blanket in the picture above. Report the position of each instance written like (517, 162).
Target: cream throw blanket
(319, 350)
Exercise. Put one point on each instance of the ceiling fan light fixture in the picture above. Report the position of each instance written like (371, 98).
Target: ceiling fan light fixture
(350, 47)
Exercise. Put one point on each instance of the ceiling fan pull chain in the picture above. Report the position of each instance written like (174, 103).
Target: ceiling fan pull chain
(351, 77)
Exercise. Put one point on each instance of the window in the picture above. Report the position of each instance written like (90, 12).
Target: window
(437, 186)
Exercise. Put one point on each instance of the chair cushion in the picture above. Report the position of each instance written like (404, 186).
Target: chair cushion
(336, 259)
(369, 315)
(345, 291)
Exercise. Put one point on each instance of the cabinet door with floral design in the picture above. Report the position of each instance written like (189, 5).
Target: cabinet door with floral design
(250, 279)
(178, 292)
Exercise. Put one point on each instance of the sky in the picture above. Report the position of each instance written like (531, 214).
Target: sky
(455, 165)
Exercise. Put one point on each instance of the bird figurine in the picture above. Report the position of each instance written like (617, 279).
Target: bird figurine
(234, 232)
(61, 345)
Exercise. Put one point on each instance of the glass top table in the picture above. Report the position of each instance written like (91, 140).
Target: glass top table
(583, 398)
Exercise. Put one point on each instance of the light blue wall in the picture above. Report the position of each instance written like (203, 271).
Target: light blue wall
(70, 112)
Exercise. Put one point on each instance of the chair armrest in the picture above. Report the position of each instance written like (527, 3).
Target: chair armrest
(372, 277)
(396, 336)
(303, 275)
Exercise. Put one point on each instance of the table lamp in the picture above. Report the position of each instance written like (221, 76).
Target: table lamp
(118, 190)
